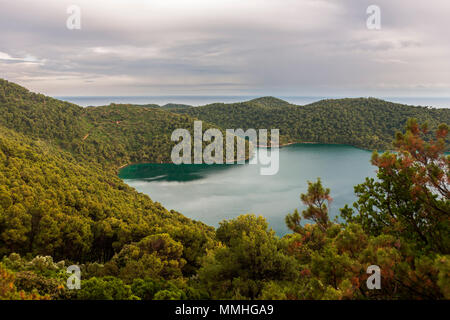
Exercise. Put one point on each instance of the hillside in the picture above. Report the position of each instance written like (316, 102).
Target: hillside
(52, 204)
(171, 106)
(111, 135)
(125, 134)
(366, 123)
(270, 102)
(60, 194)
(60, 198)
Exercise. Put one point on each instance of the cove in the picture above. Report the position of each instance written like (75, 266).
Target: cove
(212, 193)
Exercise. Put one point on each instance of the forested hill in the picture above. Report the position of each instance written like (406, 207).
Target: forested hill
(58, 194)
(119, 134)
(111, 135)
(362, 122)
(61, 199)
(52, 204)
(171, 106)
(270, 102)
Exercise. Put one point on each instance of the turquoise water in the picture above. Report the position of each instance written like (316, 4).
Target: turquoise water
(211, 193)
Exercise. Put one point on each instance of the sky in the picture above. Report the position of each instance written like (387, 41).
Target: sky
(227, 47)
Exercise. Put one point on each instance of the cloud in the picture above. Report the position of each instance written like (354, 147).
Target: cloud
(296, 47)
(27, 59)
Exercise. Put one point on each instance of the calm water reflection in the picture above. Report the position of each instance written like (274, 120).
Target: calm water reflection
(211, 193)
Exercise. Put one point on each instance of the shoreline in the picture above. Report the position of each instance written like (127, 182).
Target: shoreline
(286, 144)
(134, 163)
(257, 146)
(321, 143)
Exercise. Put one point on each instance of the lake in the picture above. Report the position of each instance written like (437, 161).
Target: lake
(212, 193)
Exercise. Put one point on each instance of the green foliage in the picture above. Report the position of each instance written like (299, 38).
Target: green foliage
(365, 123)
(54, 205)
(170, 295)
(146, 288)
(60, 199)
(172, 106)
(442, 264)
(316, 210)
(249, 256)
(111, 136)
(410, 198)
(156, 256)
(107, 288)
(9, 290)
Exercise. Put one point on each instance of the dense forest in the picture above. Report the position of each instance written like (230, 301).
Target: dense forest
(111, 136)
(366, 123)
(61, 203)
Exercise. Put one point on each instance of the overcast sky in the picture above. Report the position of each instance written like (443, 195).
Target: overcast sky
(227, 47)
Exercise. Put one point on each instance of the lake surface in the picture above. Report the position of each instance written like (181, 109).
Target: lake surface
(212, 193)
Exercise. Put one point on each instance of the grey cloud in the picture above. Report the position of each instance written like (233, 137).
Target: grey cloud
(227, 47)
